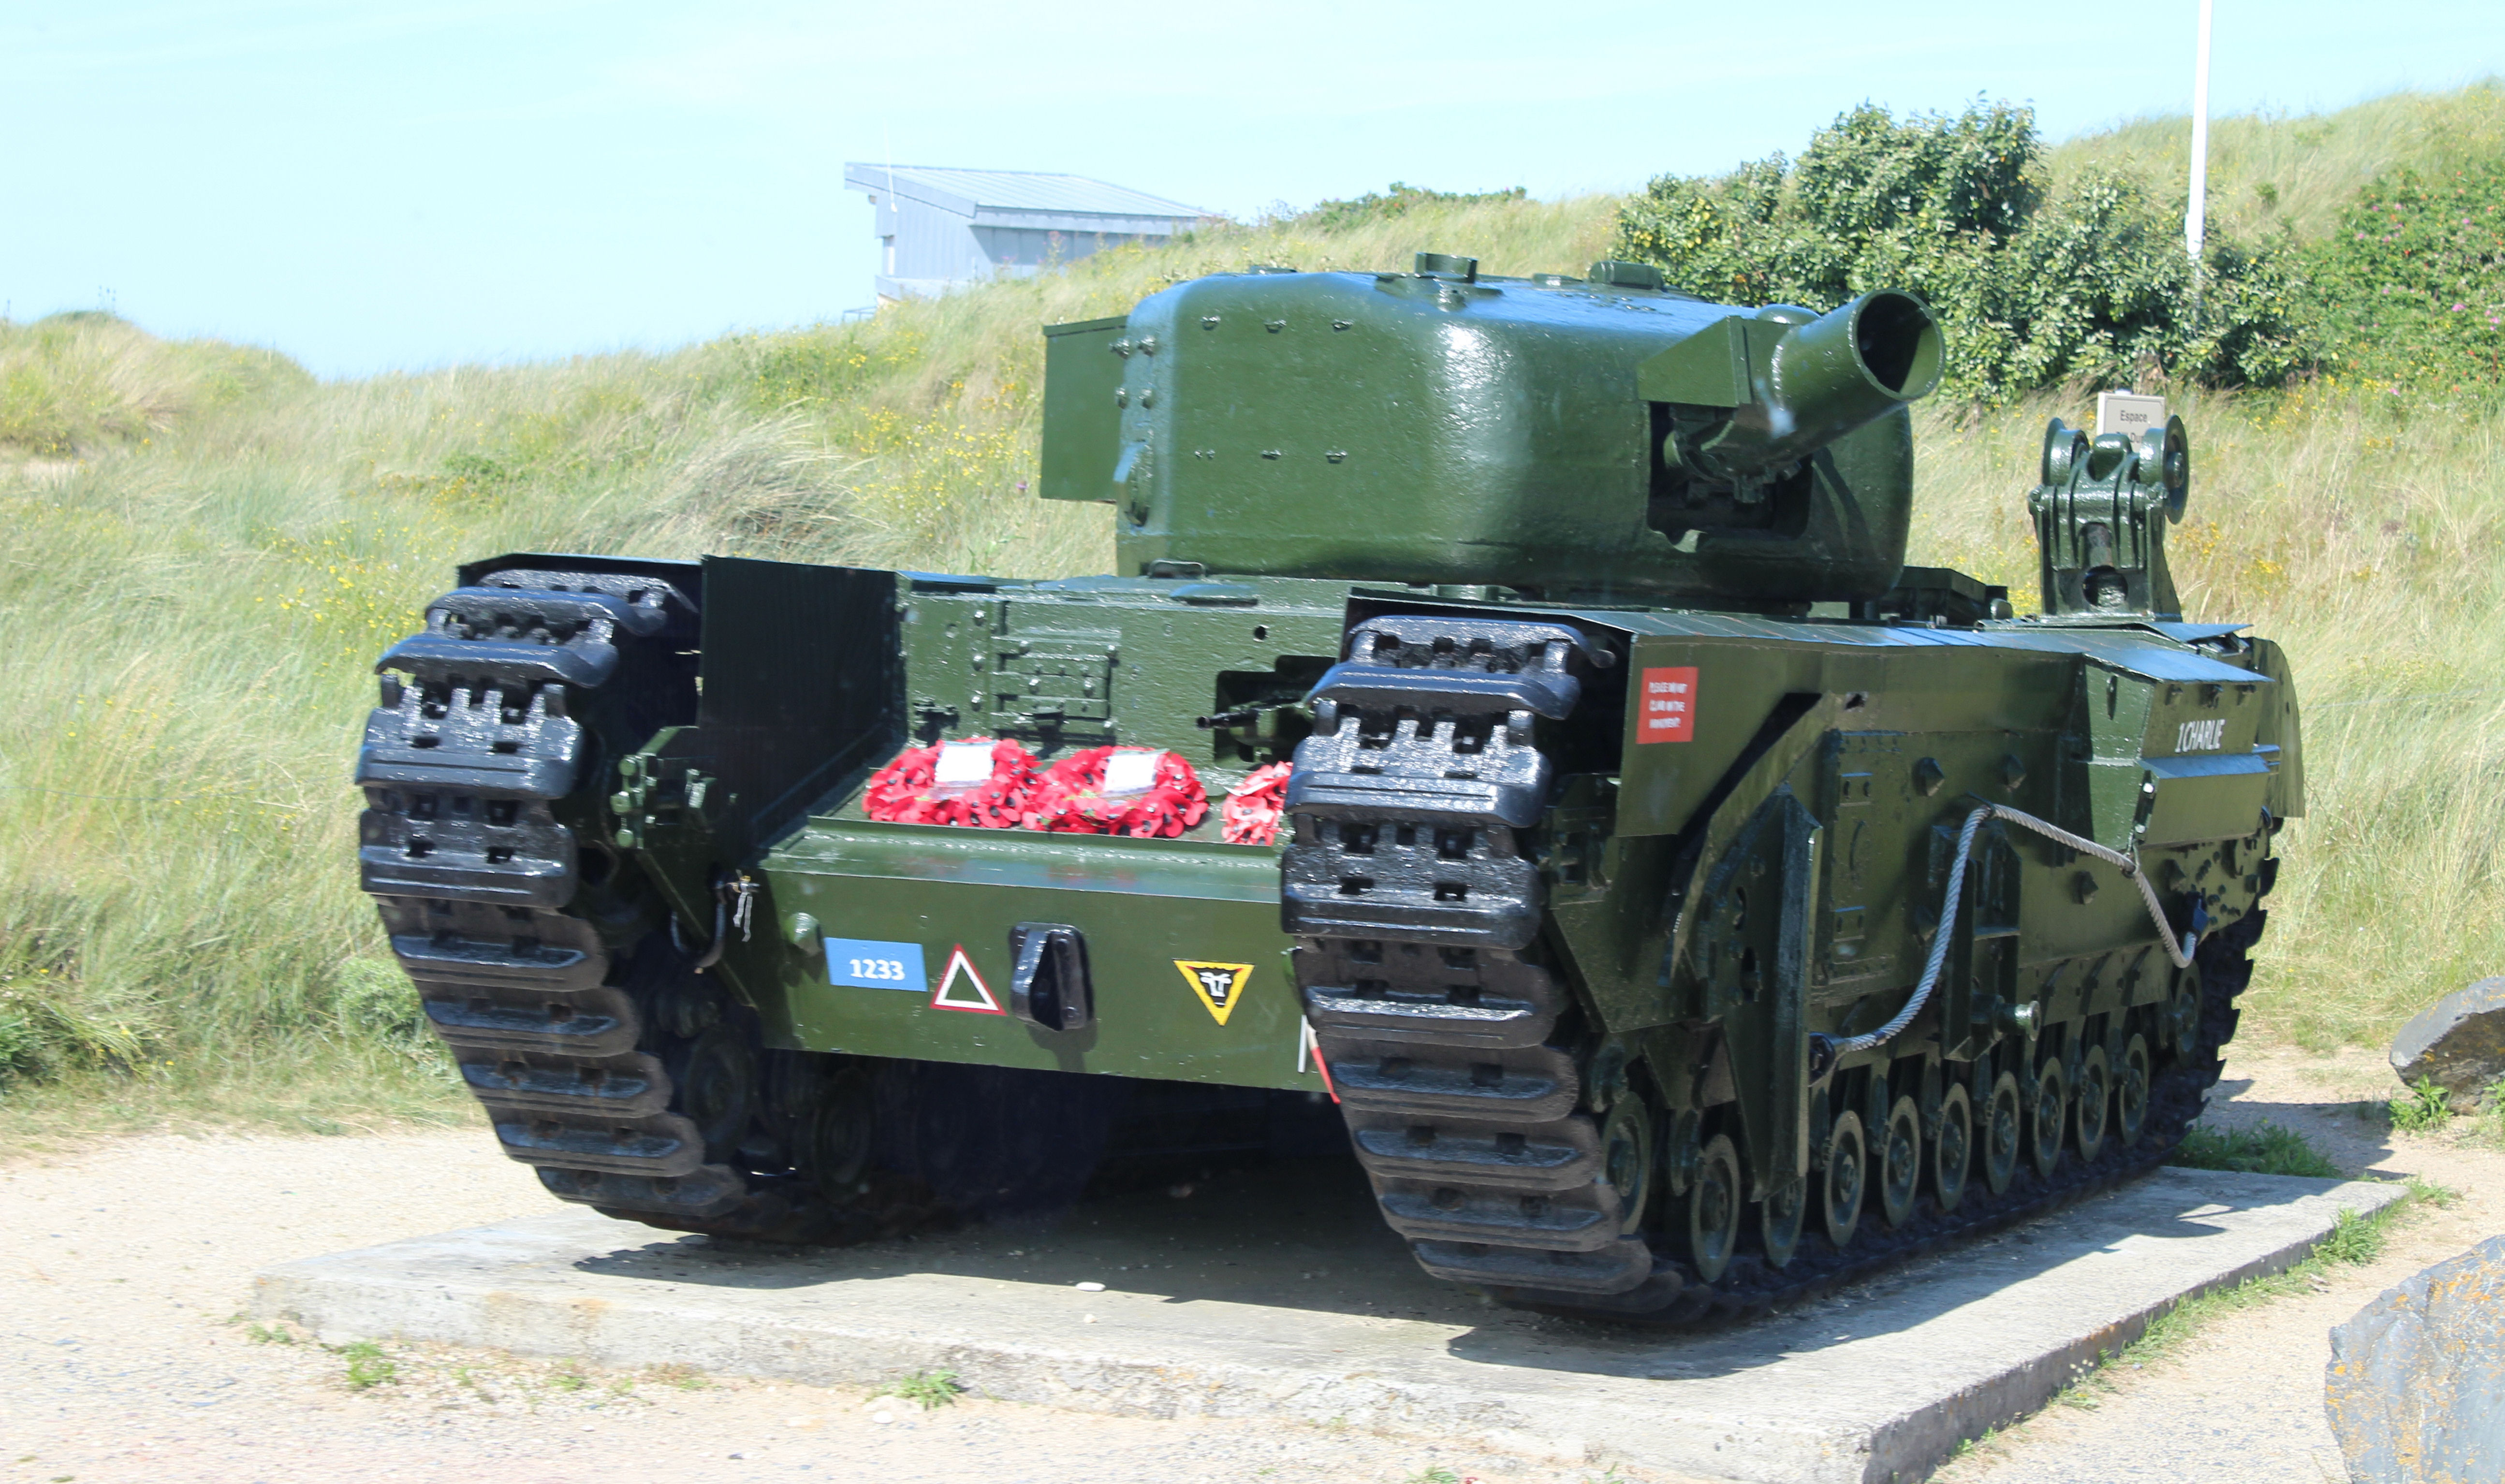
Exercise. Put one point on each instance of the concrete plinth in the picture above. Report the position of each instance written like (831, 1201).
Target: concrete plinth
(1278, 1294)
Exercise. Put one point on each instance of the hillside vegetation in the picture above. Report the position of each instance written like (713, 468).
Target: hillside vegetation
(207, 548)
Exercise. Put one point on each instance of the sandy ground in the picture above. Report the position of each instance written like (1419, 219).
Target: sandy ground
(122, 1355)
(2244, 1398)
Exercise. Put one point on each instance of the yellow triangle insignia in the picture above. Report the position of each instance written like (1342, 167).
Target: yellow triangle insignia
(1218, 985)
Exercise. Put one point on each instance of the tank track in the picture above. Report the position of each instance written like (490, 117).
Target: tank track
(1454, 1047)
(537, 956)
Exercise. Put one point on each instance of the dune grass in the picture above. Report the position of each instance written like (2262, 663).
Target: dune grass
(2269, 172)
(207, 548)
(2365, 531)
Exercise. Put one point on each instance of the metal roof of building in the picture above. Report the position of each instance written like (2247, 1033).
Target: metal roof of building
(972, 190)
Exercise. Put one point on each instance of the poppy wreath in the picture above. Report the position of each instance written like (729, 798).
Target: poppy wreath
(1068, 799)
(904, 791)
(1250, 814)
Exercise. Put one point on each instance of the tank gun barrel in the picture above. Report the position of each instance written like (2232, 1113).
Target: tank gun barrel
(1753, 395)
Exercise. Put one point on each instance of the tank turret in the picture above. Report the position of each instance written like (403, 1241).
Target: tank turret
(1599, 437)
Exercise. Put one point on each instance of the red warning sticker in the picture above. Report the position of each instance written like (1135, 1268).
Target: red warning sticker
(968, 994)
(1668, 705)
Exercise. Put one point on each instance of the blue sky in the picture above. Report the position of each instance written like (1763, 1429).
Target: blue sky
(387, 186)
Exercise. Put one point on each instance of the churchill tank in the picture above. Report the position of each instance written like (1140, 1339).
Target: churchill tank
(1512, 733)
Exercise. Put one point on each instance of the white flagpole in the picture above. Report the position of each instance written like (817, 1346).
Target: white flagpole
(2196, 213)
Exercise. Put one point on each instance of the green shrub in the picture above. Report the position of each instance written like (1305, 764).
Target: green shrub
(2412, 285)
(2037, 288)
(2424, 1108)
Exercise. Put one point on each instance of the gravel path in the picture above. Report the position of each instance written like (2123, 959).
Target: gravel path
(122, 1355)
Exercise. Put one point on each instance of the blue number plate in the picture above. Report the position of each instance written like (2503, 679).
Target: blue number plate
(874, 965)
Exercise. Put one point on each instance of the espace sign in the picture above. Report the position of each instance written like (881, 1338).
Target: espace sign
(1668, 702)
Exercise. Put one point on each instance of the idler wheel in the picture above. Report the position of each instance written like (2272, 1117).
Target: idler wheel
(2183, 1014)
(1626, 1160)
(2002, 1125)
(1713, 1202)
(1848, 1172)
(2095, 1097)
(1953, 1151)
(1779, 1220)
(1900, 1163)
(2131, 1091)
(2045, 1119)
(717, 1089)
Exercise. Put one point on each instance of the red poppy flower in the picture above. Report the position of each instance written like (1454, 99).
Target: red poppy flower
(1250, 814)
(1070, 798)
(909, 791)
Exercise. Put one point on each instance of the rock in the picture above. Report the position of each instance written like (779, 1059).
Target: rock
(2416, 1387)
(2458, 1042)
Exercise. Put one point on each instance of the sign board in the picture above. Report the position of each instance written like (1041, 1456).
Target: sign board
(2128, 413)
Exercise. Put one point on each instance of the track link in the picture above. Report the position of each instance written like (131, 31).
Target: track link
(481, 770)
(1453, 1048)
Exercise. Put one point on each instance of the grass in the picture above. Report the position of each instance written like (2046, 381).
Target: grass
(929, 1389)
(2264, 1149)
(2423, 1109)
(207, 548)
(368, 1366)
(2362, 529)
(2269, 172)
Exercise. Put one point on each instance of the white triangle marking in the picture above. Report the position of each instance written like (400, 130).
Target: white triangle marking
(982, 1005)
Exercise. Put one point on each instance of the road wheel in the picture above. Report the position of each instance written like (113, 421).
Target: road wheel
(2095, 1101)
(1626, 1160)
(1848, 1170)
(1900, 1163)
(2004, 1124)
(2047, 1119)
(2131, 1091)
(717, 1089)
(1713, 1203)
(1953, 1151)
(1779, 1220)
(833, 1136)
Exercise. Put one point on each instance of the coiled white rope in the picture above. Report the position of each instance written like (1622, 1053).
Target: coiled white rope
(2181, 952)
